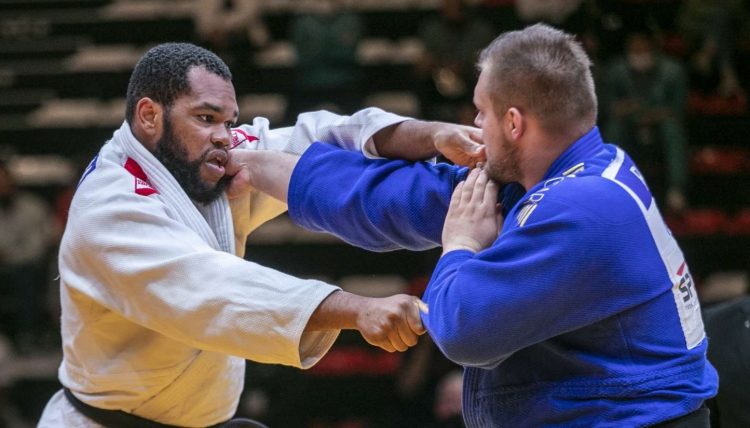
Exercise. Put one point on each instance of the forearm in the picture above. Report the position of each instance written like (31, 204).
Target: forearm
(265, 170)
(392, 323)
(271, 172)
(338, 311)
(410, 139)
(419, 140)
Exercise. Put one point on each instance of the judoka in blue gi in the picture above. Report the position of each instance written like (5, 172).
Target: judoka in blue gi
(577, 307)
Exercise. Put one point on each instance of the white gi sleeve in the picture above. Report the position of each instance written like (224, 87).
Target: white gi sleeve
(350, 132)
(156, 272)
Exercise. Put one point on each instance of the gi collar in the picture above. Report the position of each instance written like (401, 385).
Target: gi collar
(584, 148)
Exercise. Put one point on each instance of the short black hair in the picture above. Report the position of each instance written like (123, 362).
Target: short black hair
(161, 73)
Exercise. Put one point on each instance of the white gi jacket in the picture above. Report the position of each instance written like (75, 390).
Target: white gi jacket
(159, 310)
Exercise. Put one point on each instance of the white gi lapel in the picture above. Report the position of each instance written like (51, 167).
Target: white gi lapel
(213, 222)
(219, 216)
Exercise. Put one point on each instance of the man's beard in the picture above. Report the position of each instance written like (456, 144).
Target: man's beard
(171, 153)
(506, 169)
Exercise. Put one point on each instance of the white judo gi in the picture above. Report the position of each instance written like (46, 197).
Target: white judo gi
(159, 310)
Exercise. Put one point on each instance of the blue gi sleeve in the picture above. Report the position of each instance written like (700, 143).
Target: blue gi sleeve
(376, 204)
(551, 276)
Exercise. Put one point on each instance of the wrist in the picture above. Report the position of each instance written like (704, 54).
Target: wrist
(340, 310)
(463, 243)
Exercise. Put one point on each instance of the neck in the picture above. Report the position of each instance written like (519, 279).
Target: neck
(534, 171)
(539, 160)
(142, 138)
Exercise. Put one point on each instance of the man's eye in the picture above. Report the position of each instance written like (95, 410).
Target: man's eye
(206, 118)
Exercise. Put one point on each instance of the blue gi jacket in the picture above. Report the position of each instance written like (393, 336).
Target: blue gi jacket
(581, 313)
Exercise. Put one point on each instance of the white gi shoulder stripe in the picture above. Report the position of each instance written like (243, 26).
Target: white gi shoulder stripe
(573, 170)
(685, 298)
(525, 212)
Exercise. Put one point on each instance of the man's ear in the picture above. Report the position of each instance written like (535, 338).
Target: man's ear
(148, 121)
(515, 123)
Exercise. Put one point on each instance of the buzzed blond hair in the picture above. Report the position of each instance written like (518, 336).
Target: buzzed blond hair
(545, 72)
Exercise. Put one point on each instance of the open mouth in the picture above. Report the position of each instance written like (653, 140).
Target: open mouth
(216, 160)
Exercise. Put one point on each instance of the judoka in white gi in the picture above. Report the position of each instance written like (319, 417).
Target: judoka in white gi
(159, 310)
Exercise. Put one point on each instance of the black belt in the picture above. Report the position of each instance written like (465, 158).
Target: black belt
(697, 419)
(120, 419)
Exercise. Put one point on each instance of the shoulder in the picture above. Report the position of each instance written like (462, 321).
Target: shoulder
(591, 199)
(600, 197)
(114, 184)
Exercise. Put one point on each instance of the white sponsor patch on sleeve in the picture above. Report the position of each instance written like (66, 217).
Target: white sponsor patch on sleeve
(686, 299)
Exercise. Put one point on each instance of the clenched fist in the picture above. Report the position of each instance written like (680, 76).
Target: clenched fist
(392, 323)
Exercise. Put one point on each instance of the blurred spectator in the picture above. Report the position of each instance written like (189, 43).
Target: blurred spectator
(644, 100)
(26, 230)
(615, 19)
(325, 37)
(710, 28)
(232, 28)
(446, 73)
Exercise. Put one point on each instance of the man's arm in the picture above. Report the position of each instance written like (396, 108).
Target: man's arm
(420, 140)
(167, 279)
(270, 171)
(391, 323)
(376, 204)
(371, 130)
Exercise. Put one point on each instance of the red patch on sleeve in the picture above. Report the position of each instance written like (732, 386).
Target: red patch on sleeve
(239, 136)
(681, 270)
(142, 185)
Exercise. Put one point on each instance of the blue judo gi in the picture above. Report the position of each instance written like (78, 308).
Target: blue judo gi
(581, 313)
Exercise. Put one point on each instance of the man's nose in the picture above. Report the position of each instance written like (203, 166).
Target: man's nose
(222, 137)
